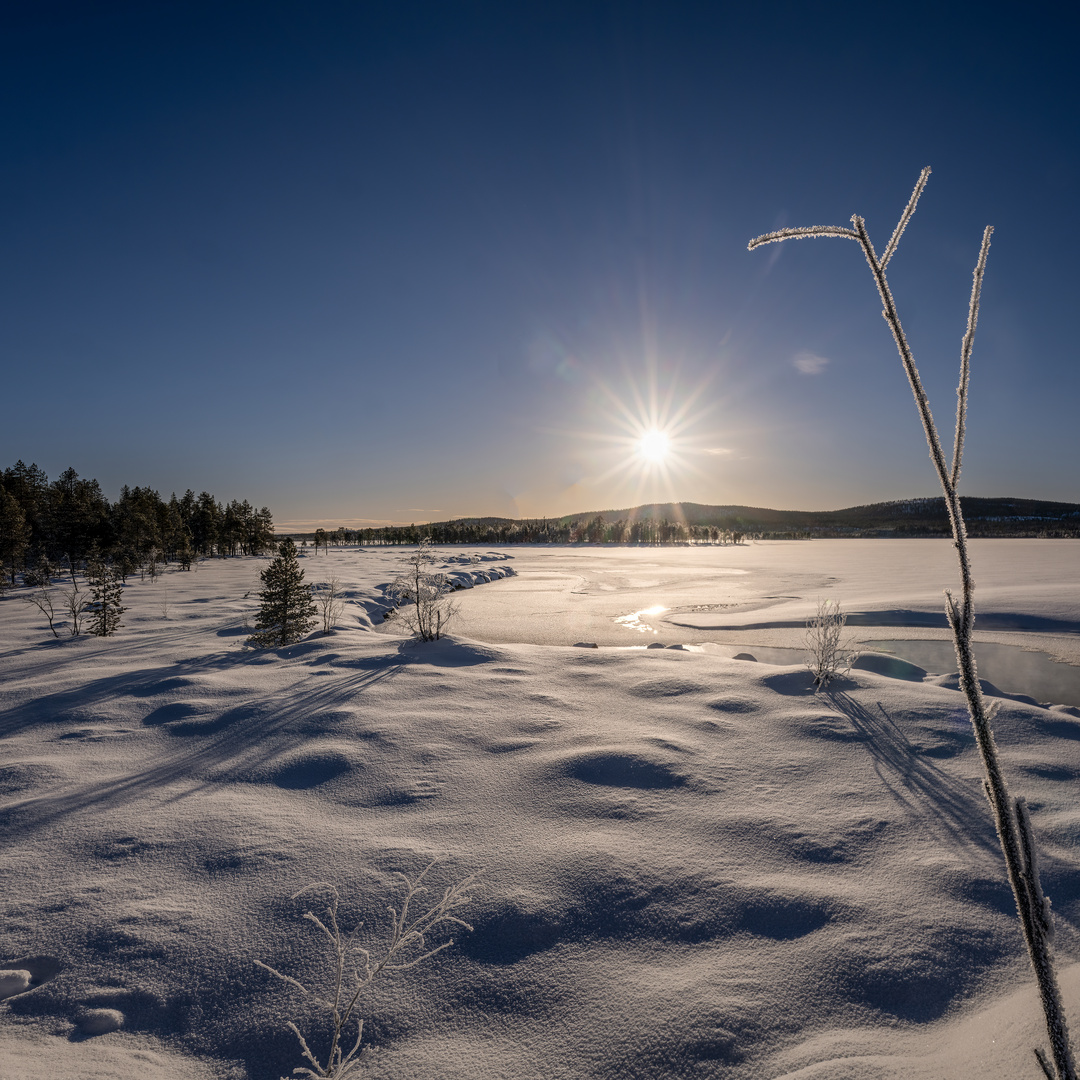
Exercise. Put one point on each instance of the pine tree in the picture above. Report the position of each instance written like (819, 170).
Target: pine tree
(14, 533)
(106, 594)
(77, 516)
(287, 611)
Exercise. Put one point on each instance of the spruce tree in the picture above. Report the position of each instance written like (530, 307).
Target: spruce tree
(287, 611)
(14, 534)
(106, 594)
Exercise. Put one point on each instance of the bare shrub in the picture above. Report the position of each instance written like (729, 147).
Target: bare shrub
(1010, 815)
(352, 968)
(329, 603)
(42, 599)
(827, 656)
(75, 605)
(424, 595)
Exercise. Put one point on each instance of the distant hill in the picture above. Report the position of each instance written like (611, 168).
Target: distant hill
(902, 517)
(673, 523)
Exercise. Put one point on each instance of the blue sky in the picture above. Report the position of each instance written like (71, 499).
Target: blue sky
(396, 262)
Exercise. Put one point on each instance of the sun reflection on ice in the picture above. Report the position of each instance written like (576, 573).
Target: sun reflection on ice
(635, 620)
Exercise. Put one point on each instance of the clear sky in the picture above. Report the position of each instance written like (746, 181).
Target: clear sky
(410, 261)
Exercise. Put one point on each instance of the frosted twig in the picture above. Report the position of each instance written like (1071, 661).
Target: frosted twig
(965, 355)
(349, 979)
(801, 234)
(905, 217)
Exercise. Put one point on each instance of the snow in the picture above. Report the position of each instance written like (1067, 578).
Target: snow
(691, 865)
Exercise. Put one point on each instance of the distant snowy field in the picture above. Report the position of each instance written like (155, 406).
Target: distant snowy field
(693, 866)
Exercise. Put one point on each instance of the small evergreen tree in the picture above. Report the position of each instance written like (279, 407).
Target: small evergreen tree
(183, 550)
(287, 611)
(106, 594)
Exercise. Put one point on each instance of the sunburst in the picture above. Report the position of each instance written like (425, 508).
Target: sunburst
(648, 442)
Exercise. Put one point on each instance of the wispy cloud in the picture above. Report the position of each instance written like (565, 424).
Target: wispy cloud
(809, 363)
(717, 450)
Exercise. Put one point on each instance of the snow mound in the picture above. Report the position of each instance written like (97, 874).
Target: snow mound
(100, 1021)
(14, 982)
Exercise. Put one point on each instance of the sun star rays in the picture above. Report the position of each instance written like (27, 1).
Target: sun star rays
(646, 435)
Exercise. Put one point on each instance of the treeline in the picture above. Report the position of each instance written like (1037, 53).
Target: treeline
(696, 523)
(47, 526)
(595, 530)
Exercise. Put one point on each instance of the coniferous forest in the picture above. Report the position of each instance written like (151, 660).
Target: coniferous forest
(47, 527)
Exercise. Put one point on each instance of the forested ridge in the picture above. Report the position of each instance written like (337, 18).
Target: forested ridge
(686, 523)
(48, 526)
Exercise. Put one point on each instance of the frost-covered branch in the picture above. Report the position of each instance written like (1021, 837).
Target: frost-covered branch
(801, 234)
(1010, 817)
(353, 968)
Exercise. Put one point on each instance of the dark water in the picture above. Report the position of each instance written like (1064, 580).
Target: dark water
(1008, 667)
(1012, 669)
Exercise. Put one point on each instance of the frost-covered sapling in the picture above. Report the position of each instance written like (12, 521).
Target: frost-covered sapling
(423, 595)
(1010, 816)
(827, 656)
(351, 968)
(329, 602)
(153, 563)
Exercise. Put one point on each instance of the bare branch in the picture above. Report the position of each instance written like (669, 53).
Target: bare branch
(284, 978)
(406, 935)
(965, 355)
(1040, 903)
(905, 217)
(801, 234)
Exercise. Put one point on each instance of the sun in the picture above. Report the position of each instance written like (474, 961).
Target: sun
(653, 446)
(649, 444)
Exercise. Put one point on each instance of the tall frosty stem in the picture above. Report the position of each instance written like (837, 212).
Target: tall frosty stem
(1010, 816)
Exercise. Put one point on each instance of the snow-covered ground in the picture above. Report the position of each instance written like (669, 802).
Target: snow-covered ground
(692, 866)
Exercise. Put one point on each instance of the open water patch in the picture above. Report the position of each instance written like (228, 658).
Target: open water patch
(1008, 667)
(639, 620)
(1014, 670)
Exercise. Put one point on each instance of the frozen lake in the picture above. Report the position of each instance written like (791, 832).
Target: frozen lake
(562, 594)
(760, 595)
